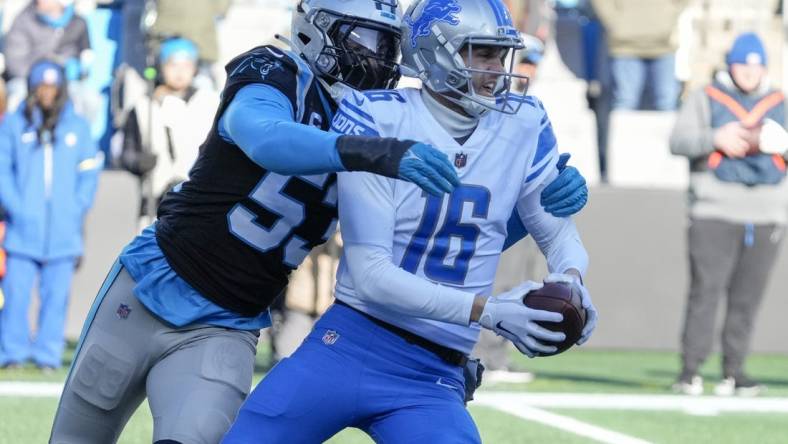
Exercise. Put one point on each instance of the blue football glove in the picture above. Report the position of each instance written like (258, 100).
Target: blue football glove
(507, 316)
(585, 299)
(428, 168)
(568, 193)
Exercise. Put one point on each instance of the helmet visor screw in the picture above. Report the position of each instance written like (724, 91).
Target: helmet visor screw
(322, 20)
(324, 61)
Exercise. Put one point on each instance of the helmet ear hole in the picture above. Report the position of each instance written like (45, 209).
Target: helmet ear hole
(305, 39)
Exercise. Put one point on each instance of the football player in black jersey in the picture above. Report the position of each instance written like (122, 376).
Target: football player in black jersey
(178, 317)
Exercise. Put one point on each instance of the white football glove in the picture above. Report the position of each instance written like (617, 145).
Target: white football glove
(591, 314)
(507, 316)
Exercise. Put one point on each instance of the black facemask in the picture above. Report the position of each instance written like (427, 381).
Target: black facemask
(363, 57)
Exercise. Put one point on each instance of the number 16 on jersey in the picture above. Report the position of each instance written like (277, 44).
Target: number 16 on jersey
(436, 266)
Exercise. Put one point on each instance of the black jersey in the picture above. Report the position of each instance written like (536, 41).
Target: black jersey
(234, 231)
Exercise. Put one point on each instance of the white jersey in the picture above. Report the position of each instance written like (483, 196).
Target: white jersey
(453, 240)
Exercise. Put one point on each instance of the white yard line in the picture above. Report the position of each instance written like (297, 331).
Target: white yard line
(529, 406)
(31, 389)
(600, 401)
(565, 423)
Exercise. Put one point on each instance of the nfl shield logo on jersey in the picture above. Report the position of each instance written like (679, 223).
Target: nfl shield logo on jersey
(123, 311)
(460, 159)
(330, 337)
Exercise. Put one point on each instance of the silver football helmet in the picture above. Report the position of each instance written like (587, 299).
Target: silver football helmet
(434, 33)
(350, 42)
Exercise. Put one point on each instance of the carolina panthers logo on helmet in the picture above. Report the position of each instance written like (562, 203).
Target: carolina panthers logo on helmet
(433, 11)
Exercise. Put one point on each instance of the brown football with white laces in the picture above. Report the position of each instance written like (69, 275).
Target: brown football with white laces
(564, 299)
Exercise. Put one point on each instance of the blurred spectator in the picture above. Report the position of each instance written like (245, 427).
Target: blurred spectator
(48, 172)
(582, 45)
(530, 57)
(3, 98)
(162, 137)
(2, 255)
(194, 20)
(733, 132)
(2, 210)
(132, 48)
(640, 39)
(532, 17)
(45, 28)
(50, 29)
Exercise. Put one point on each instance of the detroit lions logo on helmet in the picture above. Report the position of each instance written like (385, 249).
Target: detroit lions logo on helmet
(433, 11)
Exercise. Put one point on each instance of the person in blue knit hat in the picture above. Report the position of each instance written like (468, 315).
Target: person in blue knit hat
(49, 168)
(733, 133)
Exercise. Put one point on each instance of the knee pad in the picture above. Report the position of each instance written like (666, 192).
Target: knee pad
(101, 378)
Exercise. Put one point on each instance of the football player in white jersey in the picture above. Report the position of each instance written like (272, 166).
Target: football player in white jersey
(414, 285)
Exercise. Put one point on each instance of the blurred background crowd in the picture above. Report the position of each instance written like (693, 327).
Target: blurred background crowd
(672, 110)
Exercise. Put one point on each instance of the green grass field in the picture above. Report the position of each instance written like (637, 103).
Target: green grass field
(27, 420)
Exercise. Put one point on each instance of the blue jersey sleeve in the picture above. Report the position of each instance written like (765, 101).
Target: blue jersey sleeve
(515, 230)
(260, 120)
(546, 148)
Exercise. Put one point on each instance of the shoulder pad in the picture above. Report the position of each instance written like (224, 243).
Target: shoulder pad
(283, 70)
(261, 63)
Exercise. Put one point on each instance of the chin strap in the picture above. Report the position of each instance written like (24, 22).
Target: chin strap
(337, 90)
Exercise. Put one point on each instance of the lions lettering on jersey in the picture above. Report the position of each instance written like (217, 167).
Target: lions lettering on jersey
(351, 120)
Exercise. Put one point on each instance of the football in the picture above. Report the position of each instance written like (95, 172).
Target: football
(560, 298)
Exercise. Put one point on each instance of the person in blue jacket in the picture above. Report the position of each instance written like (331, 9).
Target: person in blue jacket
(48, 171)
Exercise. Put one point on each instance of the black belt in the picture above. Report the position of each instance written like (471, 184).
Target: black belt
(449, 355)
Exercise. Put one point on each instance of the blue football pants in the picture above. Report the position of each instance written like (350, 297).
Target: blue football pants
(350, 372)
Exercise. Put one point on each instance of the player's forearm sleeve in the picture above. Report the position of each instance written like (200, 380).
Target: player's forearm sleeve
(379, 282)
(374, 154)
(260, 121)
(557, 237)
(367, 216)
